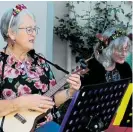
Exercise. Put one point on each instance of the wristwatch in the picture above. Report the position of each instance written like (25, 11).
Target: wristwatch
(68, 94)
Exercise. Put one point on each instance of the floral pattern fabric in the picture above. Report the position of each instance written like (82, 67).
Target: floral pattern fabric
(33, 76)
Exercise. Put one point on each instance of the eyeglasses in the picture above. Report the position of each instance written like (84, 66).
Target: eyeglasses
(122, 50)
(30, 30)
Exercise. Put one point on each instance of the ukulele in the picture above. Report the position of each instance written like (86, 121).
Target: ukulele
(26, 120)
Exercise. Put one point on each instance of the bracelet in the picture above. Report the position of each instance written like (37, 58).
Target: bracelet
(68, 94)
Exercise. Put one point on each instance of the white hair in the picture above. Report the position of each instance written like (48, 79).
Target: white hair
(16, 21)
(105, 58)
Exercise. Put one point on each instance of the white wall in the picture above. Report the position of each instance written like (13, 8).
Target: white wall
(59, 47)
(39, 9)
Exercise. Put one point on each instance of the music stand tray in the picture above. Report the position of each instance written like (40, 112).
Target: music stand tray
(93, 107)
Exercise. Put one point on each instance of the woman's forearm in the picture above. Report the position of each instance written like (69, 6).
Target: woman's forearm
(8, 106)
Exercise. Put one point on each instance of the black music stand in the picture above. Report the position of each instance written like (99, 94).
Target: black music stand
(127, 119)
(93, 107)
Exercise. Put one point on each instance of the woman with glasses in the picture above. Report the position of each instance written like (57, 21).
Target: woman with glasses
(108, 63)
(22, 74)
(110, 53)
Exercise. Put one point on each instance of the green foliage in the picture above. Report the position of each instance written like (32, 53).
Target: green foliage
(83, 37)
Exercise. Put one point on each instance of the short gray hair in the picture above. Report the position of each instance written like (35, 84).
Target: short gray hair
(105, 58)
(4, 24)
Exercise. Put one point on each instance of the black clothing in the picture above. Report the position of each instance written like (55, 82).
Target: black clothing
(97, 72)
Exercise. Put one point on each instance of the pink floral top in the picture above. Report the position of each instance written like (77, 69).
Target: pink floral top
(20, 78)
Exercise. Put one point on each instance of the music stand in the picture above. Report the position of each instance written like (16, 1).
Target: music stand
(124, 114)
(93, 107)
(127, 119)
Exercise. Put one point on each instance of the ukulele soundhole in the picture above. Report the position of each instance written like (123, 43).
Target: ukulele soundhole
(20, 118)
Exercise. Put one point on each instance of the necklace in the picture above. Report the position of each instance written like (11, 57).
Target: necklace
(113, 75)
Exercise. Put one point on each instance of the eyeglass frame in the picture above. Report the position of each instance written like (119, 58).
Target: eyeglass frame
(33, 29)
(121, 51)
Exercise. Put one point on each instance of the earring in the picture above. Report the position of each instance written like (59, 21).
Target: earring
(12, 42)
(97, 52)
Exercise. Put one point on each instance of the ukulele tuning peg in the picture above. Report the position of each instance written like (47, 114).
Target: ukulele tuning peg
(83, 64)
(78, 58)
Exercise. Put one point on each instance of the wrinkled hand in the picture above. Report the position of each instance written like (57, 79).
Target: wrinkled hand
(75, 83)
(35, 102)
